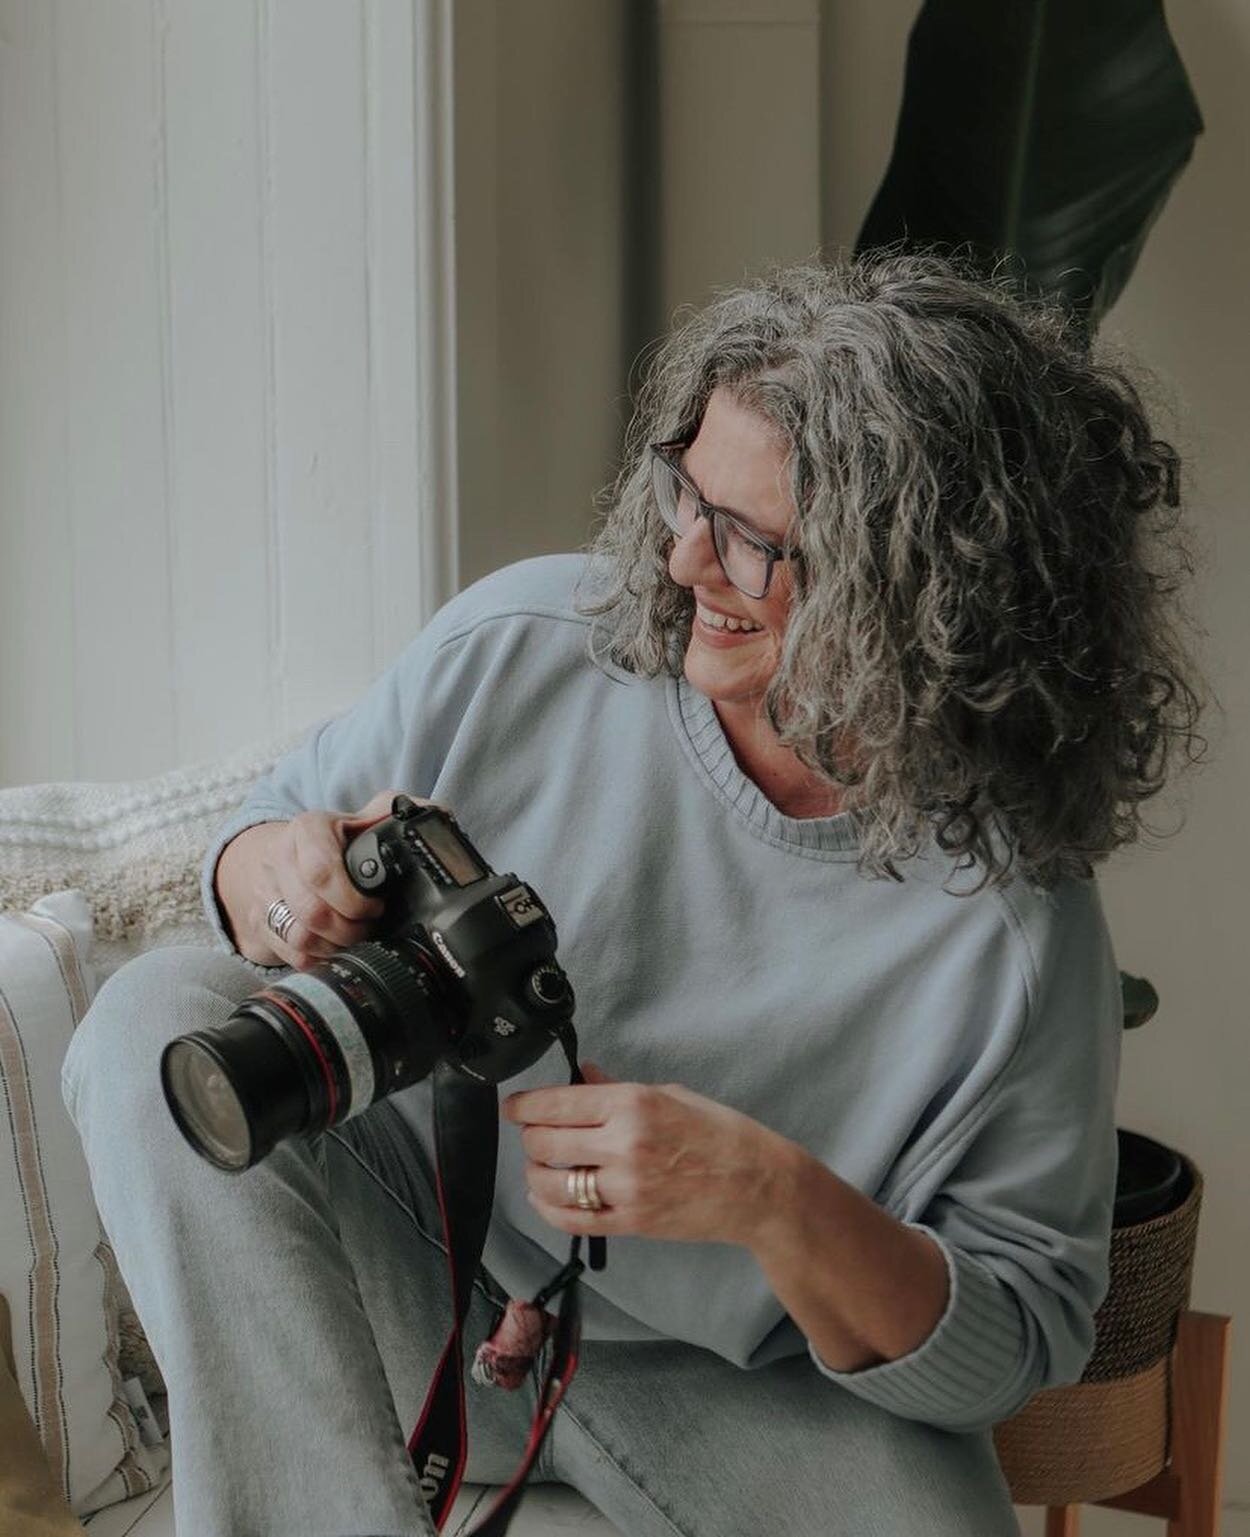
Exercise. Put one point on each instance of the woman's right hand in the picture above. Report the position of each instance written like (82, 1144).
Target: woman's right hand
(302, 862)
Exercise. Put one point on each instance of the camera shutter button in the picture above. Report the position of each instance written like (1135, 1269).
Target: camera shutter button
(368, 868)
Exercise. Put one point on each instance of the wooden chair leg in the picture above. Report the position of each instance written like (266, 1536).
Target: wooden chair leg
(1199, 1404)
(1187, 1492)
(1063, 1521)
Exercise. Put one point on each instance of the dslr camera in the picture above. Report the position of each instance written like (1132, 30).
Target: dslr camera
(462, 970)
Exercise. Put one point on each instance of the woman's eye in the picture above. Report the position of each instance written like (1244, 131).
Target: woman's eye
(744, 547)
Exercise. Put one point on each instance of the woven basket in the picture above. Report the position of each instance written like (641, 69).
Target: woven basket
(1108, 1432)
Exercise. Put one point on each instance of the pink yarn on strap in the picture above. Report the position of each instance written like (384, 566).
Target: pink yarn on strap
(504, 1360)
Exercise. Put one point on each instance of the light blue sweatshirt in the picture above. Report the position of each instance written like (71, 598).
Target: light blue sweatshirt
(953, 1057)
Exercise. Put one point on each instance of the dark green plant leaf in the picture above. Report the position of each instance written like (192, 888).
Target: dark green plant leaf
(1050, 130)
(1140, 1000)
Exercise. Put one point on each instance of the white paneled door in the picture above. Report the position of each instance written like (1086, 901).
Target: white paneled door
(227, 493)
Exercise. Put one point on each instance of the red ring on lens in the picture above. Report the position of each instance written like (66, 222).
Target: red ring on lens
(320, 1055)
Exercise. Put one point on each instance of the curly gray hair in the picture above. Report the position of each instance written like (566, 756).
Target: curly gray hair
(989, 548)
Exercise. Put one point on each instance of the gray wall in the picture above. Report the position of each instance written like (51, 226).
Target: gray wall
(776, 125)
(1178, 910)
(542, 253)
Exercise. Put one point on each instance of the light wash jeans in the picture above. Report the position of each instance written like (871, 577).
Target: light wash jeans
(298, 1311)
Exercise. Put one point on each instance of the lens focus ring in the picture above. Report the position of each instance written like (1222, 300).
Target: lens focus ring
(408, 984)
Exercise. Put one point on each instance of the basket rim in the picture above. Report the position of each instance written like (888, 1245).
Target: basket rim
(1176, 1213)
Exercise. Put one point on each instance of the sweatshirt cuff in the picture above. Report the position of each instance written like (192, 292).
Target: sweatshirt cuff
(241, 819)
(978, 1366)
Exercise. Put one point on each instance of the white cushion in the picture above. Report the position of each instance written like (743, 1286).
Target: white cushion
(91, 874)
(134, 848)
(147, 1515)
(57, 1269)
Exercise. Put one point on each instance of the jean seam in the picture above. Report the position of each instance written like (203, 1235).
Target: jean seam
(410, 1472)
(408, 1212)
(628, 1477)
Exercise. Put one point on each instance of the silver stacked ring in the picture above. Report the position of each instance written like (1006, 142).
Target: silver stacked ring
(583, 1189)
(280, 918)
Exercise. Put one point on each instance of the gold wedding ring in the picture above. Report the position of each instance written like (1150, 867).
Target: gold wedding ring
(583, 1189)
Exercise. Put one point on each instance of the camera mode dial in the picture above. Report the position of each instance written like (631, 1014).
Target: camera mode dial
(547, 987)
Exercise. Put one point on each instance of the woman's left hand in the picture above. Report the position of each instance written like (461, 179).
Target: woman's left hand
(669, 1163)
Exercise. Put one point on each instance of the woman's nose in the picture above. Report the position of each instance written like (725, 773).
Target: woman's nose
(693, 558)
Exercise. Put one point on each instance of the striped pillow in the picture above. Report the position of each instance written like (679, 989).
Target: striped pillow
(57, 1269)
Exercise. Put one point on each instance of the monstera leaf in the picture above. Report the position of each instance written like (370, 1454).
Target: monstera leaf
(1050, 130)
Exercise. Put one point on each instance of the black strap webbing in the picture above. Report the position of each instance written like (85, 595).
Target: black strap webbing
(466, 1139)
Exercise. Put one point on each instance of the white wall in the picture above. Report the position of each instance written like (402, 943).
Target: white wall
(209, 375)
(230, 464)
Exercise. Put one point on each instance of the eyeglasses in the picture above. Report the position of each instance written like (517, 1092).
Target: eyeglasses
(746, 558)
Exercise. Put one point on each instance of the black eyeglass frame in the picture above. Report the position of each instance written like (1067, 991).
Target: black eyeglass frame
(772, 552)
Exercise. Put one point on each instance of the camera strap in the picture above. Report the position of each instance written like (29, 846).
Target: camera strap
(466, 1138)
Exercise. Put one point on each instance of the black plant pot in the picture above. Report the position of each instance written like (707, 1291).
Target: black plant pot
(1152, 1179)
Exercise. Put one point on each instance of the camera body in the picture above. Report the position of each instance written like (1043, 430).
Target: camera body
(489, 937)
(462, 970)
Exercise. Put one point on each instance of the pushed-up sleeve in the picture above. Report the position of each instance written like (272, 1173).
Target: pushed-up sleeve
(1021, 1205)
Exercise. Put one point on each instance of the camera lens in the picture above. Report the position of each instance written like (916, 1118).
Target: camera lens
(308, 1051)
(235, 1091)
(206, 1104)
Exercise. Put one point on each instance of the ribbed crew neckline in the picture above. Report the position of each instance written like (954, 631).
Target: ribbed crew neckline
(703, 740)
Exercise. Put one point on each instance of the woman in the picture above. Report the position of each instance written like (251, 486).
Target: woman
(810, 756)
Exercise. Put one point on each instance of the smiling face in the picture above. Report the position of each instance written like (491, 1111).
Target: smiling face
(738, 462)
